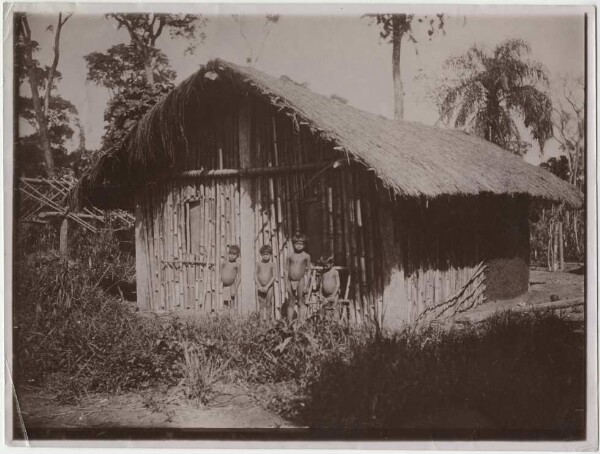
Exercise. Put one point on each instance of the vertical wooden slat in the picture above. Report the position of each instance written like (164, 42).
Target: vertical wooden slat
(64, 237)
(360, 241)
(148, 222)
(369, 248)
(347, 241)
(172, 248)
(140, 254)
(177, 246)
(246, 212)
(163, 254)
(220, 253)
(337, 201)
(274, 234)
(330, 223)
(280, 288)
(354, 248)
(214, 259)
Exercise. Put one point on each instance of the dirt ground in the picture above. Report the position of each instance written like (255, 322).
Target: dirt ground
(544, 287)
(234, 406)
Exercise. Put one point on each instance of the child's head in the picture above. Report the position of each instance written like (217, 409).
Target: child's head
(299, 241)
(266, 252)
(328, 263)
(234, 252)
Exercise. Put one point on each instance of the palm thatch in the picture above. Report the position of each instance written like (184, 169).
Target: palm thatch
(413, 159)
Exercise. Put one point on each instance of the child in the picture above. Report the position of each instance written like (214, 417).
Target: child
(264, 276)
(330, 287)
(296, 272)
(230, 276)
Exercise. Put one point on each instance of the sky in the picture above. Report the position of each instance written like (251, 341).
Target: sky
(334, 54)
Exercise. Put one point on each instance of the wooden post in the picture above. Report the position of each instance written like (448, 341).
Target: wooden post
(247, 286)
(141, 259)
(561, 240)
(395, 298)
(64, 237)
(555, 240)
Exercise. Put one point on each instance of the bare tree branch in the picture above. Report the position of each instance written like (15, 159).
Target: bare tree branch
(52, 69)
(161, 25)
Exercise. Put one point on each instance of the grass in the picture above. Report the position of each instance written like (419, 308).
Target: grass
(515, 371)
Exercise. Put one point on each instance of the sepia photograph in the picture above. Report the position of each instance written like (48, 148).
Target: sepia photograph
(300, 223)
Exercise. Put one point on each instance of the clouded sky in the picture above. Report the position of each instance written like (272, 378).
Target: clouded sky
(341, 54)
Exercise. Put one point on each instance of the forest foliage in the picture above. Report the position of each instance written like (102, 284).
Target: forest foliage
(75, 331)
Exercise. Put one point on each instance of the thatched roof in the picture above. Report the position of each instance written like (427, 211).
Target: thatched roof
(411, 158)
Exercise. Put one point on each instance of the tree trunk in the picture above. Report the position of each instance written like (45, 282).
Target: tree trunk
(397, 75)
(82, 146)
(38, 108)
(42, 124)
(149, 73)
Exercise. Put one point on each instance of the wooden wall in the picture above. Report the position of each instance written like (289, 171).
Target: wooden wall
(401, 256)
(177, 216)
(439, 247)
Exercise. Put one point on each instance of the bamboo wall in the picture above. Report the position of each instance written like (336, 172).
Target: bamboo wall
(397, 257)
(185, 225)
(472, 247)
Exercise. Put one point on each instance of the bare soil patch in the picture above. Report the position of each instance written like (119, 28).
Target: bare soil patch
(231, 407)
(544, 287)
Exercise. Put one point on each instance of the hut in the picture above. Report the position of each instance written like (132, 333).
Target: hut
(417, 218)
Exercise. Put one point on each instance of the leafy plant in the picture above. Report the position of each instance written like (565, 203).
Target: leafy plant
(489, 88)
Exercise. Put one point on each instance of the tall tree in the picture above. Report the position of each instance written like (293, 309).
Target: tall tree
(41, 81)
(568, 117)
(59, 119)
(145, 29)
(489, 89)
(121, 64)
(394, 27)
(137, 73)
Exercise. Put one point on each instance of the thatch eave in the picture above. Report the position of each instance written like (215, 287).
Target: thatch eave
(412, 159)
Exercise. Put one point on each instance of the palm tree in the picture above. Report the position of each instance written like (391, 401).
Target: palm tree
(393, 27)
(492, 89)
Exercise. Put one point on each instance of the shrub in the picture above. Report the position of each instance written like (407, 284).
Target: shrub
(518, 371)
(68, 330)
(260, 353)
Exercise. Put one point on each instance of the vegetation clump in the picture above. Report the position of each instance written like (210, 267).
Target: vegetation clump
(512, 371)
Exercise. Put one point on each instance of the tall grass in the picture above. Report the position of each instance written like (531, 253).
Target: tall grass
(67, 329)
(72, 333)
(515, 371)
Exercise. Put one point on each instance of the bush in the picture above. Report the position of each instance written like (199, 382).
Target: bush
(68, 330)
(518, 371)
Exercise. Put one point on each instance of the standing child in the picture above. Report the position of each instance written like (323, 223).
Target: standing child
(297, 271)
(330, 288)
(264, 276)
(230, 276)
